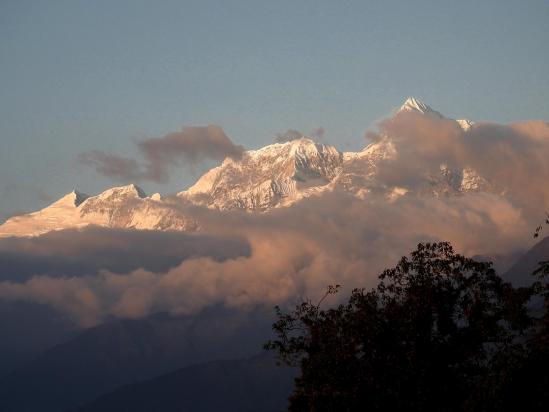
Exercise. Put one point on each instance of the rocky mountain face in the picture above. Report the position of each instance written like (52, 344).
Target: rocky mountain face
(283, 173)
(276, 175)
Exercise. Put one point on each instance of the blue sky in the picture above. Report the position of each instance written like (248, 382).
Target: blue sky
(82, 75)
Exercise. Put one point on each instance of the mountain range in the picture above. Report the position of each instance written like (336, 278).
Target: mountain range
(277, 175)
(122, 351)
(165, 361)
(240, 385)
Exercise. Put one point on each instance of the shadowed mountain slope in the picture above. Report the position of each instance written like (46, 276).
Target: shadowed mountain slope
(254, 385)
(125, 351)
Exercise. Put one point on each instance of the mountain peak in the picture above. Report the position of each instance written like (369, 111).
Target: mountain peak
(302, 142)
(78, 197)
(72, 199)
(465, 124)
(415, 105)
(130, 190)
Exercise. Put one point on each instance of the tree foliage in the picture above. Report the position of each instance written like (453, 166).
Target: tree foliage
(440, 332)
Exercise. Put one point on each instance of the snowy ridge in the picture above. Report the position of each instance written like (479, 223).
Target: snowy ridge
(414, 105)
(119, 207)
(276, 175)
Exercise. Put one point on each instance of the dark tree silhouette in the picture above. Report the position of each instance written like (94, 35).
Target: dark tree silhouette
(440, 332)
(543, 269)
(526, 384)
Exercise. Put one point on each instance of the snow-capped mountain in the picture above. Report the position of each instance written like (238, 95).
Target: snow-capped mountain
(414, 105)
(282, 173)
(119, 207)
(276, 175)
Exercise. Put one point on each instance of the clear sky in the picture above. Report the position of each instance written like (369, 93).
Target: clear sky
(82, 75)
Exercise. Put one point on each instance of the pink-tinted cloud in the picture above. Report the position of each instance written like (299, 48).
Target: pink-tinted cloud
(111, 165)
(334, 238)
(288, 136)
(293, 252)
(186, 148)
(513, 157)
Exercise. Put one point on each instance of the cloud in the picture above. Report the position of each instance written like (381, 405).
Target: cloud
(293, 252)
(111, 165)
(318, 133)
(80, 252)
(69, 295)
(186, 148)
(513, 157)
(190, 146)
(333, 238)
(288, 136)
